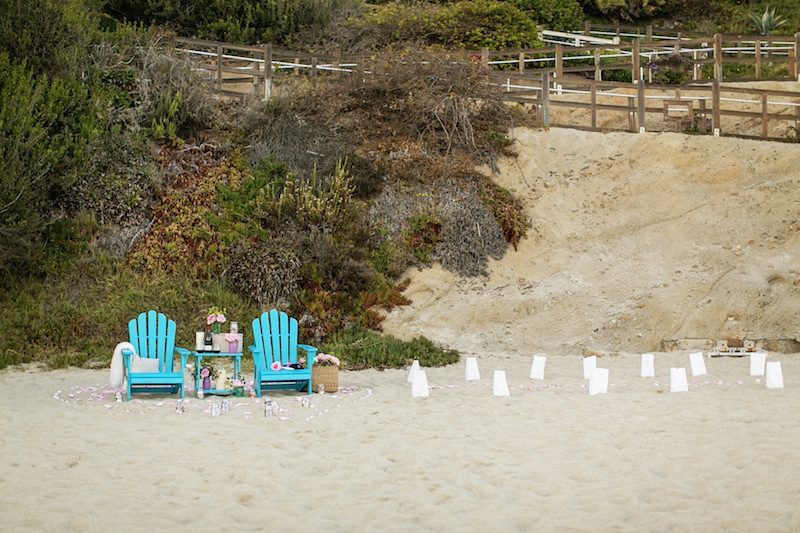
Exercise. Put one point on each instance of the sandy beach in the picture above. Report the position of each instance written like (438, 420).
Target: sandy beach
(550, 457)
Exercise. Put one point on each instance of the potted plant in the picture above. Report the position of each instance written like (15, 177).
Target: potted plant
(325, 372)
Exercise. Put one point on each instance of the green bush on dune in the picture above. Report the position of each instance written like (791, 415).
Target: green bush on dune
(360, 348)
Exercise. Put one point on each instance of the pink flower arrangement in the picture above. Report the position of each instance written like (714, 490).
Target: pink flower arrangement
(215, 317)
(324, 359)
(275, 366)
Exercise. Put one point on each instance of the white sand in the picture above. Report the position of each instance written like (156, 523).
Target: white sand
(721, 457)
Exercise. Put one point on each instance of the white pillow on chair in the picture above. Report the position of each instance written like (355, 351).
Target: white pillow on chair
(143, 364)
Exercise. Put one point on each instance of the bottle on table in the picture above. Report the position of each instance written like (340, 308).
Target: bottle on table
(208, 340)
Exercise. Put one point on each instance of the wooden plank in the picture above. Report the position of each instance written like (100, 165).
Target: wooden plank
(636, 60)
(718, 57)
(631, 115)
(559, 62)
(715, 117)
(703, 119)
(764, 116)
(598, 72)
(758, 59)
(546, 99)
(796, 56)
(214, 44)
(219, 66)
(594, 106)
(267, 72)
(241, 71)
(640, 100)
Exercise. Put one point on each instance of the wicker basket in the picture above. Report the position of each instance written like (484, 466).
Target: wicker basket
(327, 375)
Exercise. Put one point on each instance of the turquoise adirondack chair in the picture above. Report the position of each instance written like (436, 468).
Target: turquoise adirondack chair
(153, 335)
(275, 336)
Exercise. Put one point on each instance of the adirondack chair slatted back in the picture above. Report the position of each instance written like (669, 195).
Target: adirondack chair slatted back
(153, 335)
(275, 335)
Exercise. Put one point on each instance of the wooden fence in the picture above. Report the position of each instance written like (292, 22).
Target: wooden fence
(572, 77)
(702, 108)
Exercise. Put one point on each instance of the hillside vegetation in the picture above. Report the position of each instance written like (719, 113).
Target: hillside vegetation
(126, 186)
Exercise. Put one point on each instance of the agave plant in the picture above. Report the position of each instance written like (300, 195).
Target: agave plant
(768, 21)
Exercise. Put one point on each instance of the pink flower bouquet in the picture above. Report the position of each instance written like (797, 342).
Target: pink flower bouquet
(275, 366)
(324, 359)
(216, 316)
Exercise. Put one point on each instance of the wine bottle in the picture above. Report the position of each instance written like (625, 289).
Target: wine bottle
(208, 340)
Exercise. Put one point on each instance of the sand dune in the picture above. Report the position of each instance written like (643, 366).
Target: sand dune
(636, 239)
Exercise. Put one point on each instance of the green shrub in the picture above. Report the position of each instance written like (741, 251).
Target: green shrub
(560, 15)
(424, 233)
(78, 317)
(44, 127)
(468, 24)
(674, 69)
(316, 202)
(359, 348)
(508, 211)
(51, 36)
(241, 21)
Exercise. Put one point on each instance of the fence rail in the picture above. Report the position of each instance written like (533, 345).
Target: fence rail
(572, 77)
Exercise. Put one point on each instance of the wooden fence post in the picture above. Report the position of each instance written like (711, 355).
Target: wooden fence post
(640, 100)
(758, 59)
(485, 57)
(257, 77)
(219, 67)
(546, 99)
(796, 56)
(715, 114)
(587, 27)
(717, 57)
(593, 91)
(267, 71)
(336, 62)
(702, 112)
(631, 115)
(636, 61)
(314, 67)
(559, 61)
(598, 72)
(650, 33)
(296, 69)
(764, 116)
(522, 62)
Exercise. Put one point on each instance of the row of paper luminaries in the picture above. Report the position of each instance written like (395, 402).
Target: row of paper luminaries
(598, 377)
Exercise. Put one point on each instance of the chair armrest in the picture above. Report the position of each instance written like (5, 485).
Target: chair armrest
(126, 359)
(184, 353)
(258, 360)
(311, 353)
